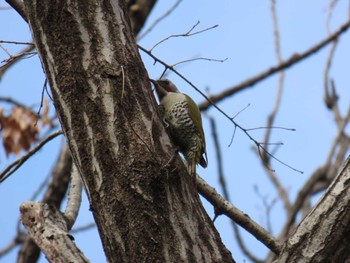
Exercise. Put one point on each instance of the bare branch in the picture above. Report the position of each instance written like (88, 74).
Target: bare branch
(5, 50)
(16, 42)
(329, 15)
(271, 127)
(18, 163)
(53, 196)
(243, 246)
(187, 34)
(239, 112)
(159, 19)
(268, 205)
(13, 59)
(210, 194)
(194, 59)
(74, 198)
(271, 118)
(83, 228)
(48, 228)
(272, 115)
(294, 59)
(259, 146)
(12, 244)
(13, 101)
(330, 96)
(219, 158)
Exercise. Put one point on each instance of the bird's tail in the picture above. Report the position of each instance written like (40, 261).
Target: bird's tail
(203, 161)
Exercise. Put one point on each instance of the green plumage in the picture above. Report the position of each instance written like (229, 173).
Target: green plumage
(184, 122)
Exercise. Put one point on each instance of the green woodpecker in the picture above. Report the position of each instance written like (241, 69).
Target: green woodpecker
(184, 121)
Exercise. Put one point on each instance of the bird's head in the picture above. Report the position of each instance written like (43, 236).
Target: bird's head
(163, 87)
(168, 85)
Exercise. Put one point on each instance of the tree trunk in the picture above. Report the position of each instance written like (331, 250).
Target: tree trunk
(324, 235)
(145, 204)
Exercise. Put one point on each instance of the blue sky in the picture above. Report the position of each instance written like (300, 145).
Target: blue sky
(245, 37)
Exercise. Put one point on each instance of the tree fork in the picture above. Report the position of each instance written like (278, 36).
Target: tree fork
(145, 210)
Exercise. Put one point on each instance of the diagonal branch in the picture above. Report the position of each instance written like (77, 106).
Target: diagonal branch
(18, 163)
(259, 145)
(210, 194)
(48, 228)
(269, 72)
(54, 194)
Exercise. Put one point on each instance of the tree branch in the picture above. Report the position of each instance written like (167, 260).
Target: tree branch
(48, 228)
(18, 163)
(74, 198)
(267, 73)
(259, 145)
(271, 118)
(221, 204)
(53, 196)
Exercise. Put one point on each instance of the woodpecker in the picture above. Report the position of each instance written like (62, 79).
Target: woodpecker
(184, 121)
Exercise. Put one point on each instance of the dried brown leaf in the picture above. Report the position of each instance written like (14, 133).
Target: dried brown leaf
(18, 130)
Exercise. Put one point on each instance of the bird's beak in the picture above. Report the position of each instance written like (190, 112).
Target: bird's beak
(153, 81)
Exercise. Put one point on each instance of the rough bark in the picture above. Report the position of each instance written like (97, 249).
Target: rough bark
(145, 204)
(48, 228)
(53, 196)
(324, 234)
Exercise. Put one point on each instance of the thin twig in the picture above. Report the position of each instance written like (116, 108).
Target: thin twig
(13, 101)
(330, 97)
(13, 59)
(18, 163)
(40, 188)
(271, 127)
(259, 146)
(16, 42)
(13, 243)
(83, 228)
(219, 158)
(5, 50)
(194, 59)
(329, 15)
(268, 205)
(233, 136)
(159, 19)
(54, 194)
(187, 34)
(41, 101)
(239, 112)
